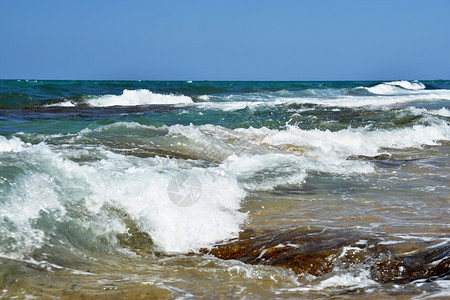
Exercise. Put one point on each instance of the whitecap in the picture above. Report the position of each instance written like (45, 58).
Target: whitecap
(11, 145)
(59, 190)
(66, 103)
(396, 87)
(358, 141)
(138, 97)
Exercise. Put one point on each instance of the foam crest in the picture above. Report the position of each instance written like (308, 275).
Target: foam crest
(204, 98)
(138, 97)
(244, 154)
(21, 208)
(330, 145)
(265, 172)
(11, 145)
(355, 279)
(381, 100)
(119, 125)
(444, 112)
(197, 142)
(396, 87)
(381, 95)
(376, 101)
(409, 85)
(291, 166)
(236, 105)
(66, 103)
(92, 199)
(212, 217)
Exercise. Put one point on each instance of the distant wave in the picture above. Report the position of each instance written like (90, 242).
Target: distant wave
(229, 98)
(396, 87)
(138, 97)
(66, 103)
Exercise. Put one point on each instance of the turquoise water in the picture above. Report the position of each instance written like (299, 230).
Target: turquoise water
(112, 188)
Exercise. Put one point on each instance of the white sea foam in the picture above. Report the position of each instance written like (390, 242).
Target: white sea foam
(66, 103)
(127, 125)
(31, 197)
(204, 98)
(409, 85)
(383, 95)
(235, 105)
(361, 280)
(441, 112)
(340, 101)
(292, 152)
(396, 87)
(11, 145)
(265, 172)
(247, 159)
(255, 162)
(173, 228)
(376, 101)
(60, 188)
(355, 280)
(444, 112)
(332, 145)
(138, 97)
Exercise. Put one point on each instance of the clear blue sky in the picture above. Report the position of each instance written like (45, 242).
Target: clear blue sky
(225, 40)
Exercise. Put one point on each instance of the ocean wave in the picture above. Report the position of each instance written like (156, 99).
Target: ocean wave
(265, 172)
(380, 95)
(11, 145)
(356, 279)
(66, 103)
(332, 147)
(138, 97)
(396, 87)
(443, 112)
(264, 150)
(182, 203)
(96, 199)
(375, 101)
(331, 100)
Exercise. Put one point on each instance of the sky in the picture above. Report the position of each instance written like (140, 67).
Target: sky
(225, 40)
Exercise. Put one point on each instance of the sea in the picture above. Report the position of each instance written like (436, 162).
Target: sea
(128, 189)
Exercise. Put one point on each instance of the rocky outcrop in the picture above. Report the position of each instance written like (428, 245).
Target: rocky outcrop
(317, 252)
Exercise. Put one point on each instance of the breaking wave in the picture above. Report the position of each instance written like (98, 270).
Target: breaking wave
(57, 200)
(138, 97)
(396, 87)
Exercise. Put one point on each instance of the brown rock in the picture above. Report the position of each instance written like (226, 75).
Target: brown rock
(317, 252)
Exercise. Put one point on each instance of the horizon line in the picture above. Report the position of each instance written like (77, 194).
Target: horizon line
(222, 80)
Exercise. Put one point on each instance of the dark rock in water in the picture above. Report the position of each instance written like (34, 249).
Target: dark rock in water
(318, 252)
(313, 252)
(430, 264)
(384, 156)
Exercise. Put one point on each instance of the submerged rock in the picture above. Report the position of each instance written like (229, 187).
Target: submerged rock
(318, 252)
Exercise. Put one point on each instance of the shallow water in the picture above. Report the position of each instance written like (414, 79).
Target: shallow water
(320, 189)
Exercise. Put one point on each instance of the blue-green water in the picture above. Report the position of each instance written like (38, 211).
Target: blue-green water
(107, 188)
